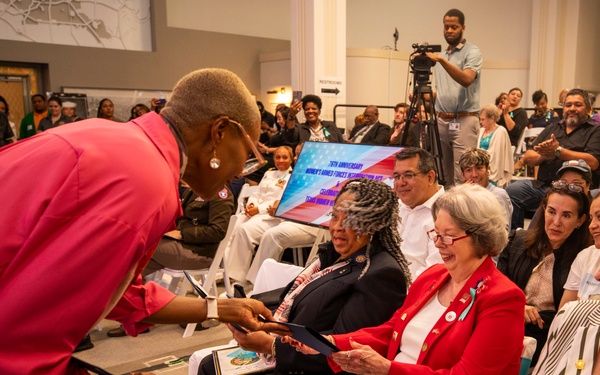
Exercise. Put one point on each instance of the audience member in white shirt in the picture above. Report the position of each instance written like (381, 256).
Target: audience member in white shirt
(415, 183)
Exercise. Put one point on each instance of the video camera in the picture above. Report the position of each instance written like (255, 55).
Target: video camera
(420, 63)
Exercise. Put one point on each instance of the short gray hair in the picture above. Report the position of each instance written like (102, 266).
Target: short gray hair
(491, 111)
(475, 209)
(204, 95)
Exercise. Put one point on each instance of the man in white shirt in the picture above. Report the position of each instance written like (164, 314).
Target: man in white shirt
(415, 183)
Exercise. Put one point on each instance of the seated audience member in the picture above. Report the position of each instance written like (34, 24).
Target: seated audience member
(138, 110)
(495, 140)
(6, 134)
(255, 219)
(69, 109)
(573, 335)
(199, 231)
(30, 123)
(359, 278)
(265, 116)
(573, 340)
(4, 109)
(55, 116)
(538, 259)
(584, 274)
(512, 116)
(106, 110)
(577, 137)
(280, 237)
(415, 184)
(313, 129)
(462, 317)
(543, 114)
(561, 102)
(283, 137)
(575, 172)
(501, 99)
(372, 131)
(595, 114)
(475, 168)
(400, 114)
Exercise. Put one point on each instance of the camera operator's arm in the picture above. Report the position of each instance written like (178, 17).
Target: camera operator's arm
(463, 77)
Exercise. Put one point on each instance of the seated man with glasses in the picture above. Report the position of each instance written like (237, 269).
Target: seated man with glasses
(415, 183)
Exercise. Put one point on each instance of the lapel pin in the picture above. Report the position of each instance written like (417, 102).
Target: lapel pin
(403, 317)
(450, 316)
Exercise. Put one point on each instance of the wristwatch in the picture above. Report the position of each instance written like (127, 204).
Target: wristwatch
(212, 314)
(558, 151)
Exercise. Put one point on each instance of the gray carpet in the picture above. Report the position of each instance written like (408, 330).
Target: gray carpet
(121, 355)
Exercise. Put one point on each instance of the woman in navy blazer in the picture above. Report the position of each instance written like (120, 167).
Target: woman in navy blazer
(460, 317)
(363, 278)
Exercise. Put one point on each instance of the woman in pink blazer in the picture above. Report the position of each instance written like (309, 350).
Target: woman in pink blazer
(460, 317)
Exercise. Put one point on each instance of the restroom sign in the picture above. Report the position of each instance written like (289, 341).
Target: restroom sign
(331, 86)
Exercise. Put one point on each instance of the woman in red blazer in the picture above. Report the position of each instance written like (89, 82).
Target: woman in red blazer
(460, 317)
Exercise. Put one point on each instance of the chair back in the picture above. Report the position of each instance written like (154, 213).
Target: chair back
(527, 133)
(529, 345)
(245, 193)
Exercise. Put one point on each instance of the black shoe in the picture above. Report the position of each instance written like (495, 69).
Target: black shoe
(85, 344)
(120, 332)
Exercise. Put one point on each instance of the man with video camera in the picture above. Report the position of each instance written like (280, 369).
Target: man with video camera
(457, 94)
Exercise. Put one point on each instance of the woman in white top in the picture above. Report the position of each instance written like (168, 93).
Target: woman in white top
(255, 219)
(583, 281)
(495, 140)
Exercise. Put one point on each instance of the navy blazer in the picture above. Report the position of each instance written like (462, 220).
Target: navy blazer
(379, 134)
(338, 302)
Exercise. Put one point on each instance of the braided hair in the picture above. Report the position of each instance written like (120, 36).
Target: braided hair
(375, 213)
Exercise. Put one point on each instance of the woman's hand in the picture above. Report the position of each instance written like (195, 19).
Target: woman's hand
(245, 311)
(272, 209)
(251, 210)
(262, 148)
(295, 109)
(259, 342)
(362, 359)
(532, 316)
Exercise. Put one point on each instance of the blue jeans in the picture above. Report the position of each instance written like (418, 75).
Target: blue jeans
(524, 197)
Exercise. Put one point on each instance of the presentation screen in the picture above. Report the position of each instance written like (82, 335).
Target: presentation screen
(321, 171)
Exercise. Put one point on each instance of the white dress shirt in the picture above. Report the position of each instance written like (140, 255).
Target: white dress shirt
(419, 250)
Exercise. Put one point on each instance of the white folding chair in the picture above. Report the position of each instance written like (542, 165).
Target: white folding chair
(245, 193)
(526, 133)
(529, 345)
(322, 236)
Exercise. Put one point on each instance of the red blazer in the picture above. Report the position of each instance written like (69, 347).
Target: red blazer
(488, 340)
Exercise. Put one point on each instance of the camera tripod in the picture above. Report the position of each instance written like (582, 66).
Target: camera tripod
(427, 135)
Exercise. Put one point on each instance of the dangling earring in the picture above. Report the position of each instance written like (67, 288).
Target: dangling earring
(215, 162)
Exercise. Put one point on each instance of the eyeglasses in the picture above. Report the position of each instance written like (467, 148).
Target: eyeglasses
(254, 164)
(560, 185)
(447, 240)
(408, 176)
